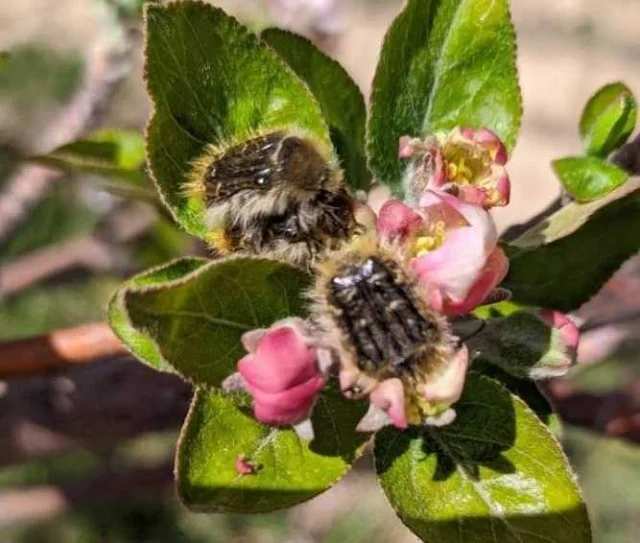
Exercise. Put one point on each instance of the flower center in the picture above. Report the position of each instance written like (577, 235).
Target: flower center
(466, 165)
(430, 240)
(416, 407)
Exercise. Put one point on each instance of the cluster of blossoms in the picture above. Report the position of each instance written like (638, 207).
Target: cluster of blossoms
(449, 245)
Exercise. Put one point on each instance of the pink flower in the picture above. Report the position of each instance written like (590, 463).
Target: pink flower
(281, 372)
(465, 162)
(452, 247)
(398, 402)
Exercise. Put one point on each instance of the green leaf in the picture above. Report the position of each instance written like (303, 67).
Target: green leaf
(117, 156)
(564, 261)
(139, 343)
(107, 147)
(608, 119)
(495, 474)
(444, 63)
(197, 321)
(212, 82)
(526, 390)
(289, 470)
(338, 95)
(588, 178)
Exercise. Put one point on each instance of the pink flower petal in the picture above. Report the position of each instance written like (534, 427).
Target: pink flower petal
(454, 266)
(251, 340)
(503, 188)
(490, 141)
(397, 220)
(473, 195)
(438, 171)
(433, 297)
(365, 216)
(288, 407)
(389, 396)
(374, 419)
(493, 272)
(473, 215)
(447, 387)
(437, 209)
(282, 360)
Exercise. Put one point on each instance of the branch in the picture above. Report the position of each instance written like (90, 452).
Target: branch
(613, 414)
(115, 398)
(43, 264)
(627, 158)
(515, 231)
(94, 406)
(41, 354)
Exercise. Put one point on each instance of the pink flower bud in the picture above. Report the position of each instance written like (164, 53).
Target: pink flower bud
(566, 328)
(281, 372)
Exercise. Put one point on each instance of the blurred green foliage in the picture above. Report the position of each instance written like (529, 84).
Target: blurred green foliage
(33, 73)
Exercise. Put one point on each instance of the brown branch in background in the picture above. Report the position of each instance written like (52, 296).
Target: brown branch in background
(627, 157)
(115, 399)
(613, 414)
(29, 505)
(22, 193)
(67, 347)
(88, 406)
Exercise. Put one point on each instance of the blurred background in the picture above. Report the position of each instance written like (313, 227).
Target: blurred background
(70, 231)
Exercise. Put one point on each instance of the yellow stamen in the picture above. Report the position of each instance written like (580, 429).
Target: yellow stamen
(465, 174)
(424, 244)
(427, 243)
(452, 171)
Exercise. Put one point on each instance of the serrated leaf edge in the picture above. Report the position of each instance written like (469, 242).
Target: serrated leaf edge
(117, 303)
(556, 444)
(151, 6)
(343, 74)
(373, 96)
(217, 509)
